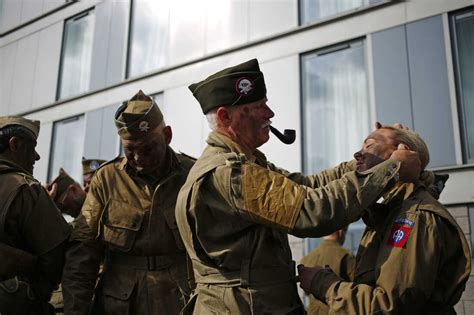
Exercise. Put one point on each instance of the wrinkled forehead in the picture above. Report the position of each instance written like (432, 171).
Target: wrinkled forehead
(381, 135)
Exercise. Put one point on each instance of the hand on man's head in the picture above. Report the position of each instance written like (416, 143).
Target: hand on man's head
(410, 167)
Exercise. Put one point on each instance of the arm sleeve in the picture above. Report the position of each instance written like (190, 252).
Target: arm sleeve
(39, 228)
(320, 179)
(84, 255)
(405, 282)
(348, 267)
(271, 199)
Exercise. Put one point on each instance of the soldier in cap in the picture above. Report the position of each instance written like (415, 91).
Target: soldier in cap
(413, 257)
(235, 210)
(67, 194)
(129, 223)
(331, 254)
(29, 221)
(89, 166)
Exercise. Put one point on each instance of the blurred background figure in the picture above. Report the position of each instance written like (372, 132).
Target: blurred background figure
(330, 253)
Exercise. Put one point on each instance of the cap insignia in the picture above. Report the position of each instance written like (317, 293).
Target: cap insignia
(244, 86)
(144, 126)
(94, 165)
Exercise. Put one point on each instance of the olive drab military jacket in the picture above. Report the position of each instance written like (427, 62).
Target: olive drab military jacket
(128, 222)
(413, 259)
(340, 260)
(235, 211)
(30, 222)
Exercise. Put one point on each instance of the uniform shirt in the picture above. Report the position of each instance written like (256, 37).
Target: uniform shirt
(234, 216)
(339, 259)
(128, 215)
(413, 258)
(31, 222)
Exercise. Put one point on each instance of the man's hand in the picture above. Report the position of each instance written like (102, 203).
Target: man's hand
(410, 167)
(52, 190)
(306, 275)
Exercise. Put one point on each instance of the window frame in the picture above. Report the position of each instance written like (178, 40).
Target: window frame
(343, 14)
(63, 45)
(49, 175)
(458, 84)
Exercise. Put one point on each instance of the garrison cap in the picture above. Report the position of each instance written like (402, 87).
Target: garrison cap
(32, 125)
(240, 84)
(63, 180)
(89, 166)
(135, 118)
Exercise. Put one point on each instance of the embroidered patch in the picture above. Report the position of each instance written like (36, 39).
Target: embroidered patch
(404, 221)
(244, 86)
(144, 126)
(399, 235)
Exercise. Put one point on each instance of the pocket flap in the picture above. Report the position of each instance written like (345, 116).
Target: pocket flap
(123, 215)
(119, 286)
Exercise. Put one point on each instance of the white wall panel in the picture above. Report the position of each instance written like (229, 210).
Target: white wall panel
(49, 5)
(47, 65)
(283, 90)
(459, 187)
(10, 15)
(23, 76)
(6, 75)
(227, 24)
(186, 31)
(269, 17)
(183, 113)
(30, 10)
(43, 148)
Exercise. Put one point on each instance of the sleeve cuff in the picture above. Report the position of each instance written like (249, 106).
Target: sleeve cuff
(321, 283)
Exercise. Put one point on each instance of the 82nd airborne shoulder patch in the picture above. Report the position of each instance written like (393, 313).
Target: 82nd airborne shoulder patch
(399, 232)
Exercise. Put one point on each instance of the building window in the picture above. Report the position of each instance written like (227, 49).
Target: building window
(316, 10)
(149, 36)
(335, 113)
(75, 73)
(463, 42)
(335, 105)
(67, 147)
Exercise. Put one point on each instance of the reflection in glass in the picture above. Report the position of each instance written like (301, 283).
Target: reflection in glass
(149, 36)
(335, 106)
(465, 46)
(314, 10)
(67, 148)
(77, 55)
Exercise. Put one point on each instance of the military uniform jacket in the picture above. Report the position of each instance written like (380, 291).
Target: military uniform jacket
(413, 259)
(339, 259)
(30, 222)
(128, 222)
(234, 216)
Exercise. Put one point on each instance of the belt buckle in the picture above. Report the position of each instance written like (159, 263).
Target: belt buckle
(151, 260)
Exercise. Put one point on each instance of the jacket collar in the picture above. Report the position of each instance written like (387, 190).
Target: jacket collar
(224, 144)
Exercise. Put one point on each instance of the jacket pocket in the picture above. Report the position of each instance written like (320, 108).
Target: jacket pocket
(121, 222)
(170, 218)
(114, 293)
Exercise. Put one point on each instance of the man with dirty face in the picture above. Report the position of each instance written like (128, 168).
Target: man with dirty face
(413, 257)
(128, 222)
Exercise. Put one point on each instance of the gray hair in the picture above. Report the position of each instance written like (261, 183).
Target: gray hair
(212, 119)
